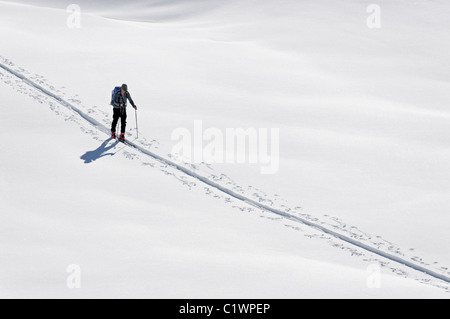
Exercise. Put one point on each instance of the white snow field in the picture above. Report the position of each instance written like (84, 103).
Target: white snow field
(358, 207)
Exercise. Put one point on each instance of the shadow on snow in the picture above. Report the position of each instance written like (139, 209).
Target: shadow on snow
(100, 152)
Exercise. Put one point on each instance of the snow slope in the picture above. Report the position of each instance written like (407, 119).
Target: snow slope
(161, 236)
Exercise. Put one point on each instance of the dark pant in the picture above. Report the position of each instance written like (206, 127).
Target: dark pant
(122, 114)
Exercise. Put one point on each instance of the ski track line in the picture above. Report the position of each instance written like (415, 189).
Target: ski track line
(227, 191)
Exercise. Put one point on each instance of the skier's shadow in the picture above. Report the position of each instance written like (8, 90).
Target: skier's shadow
(100, 152)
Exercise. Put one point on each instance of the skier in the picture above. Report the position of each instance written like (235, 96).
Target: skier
(120, 111)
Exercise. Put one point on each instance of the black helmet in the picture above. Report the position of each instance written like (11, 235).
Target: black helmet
(125, 87)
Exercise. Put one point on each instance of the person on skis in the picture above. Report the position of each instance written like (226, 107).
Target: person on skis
(120, 111)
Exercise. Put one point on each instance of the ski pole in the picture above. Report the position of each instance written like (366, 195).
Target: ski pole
(119, 126)
(137, 131)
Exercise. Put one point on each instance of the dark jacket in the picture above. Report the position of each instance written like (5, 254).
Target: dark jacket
(123, 100)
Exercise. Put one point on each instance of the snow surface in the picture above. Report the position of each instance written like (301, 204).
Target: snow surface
(363, 119)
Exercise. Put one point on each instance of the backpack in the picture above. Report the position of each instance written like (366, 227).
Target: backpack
(114, 94)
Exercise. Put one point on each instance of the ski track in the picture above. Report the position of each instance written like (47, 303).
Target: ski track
(335, 231)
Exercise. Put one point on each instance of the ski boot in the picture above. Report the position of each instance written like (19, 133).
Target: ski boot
(122, 137)
(113, 135)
